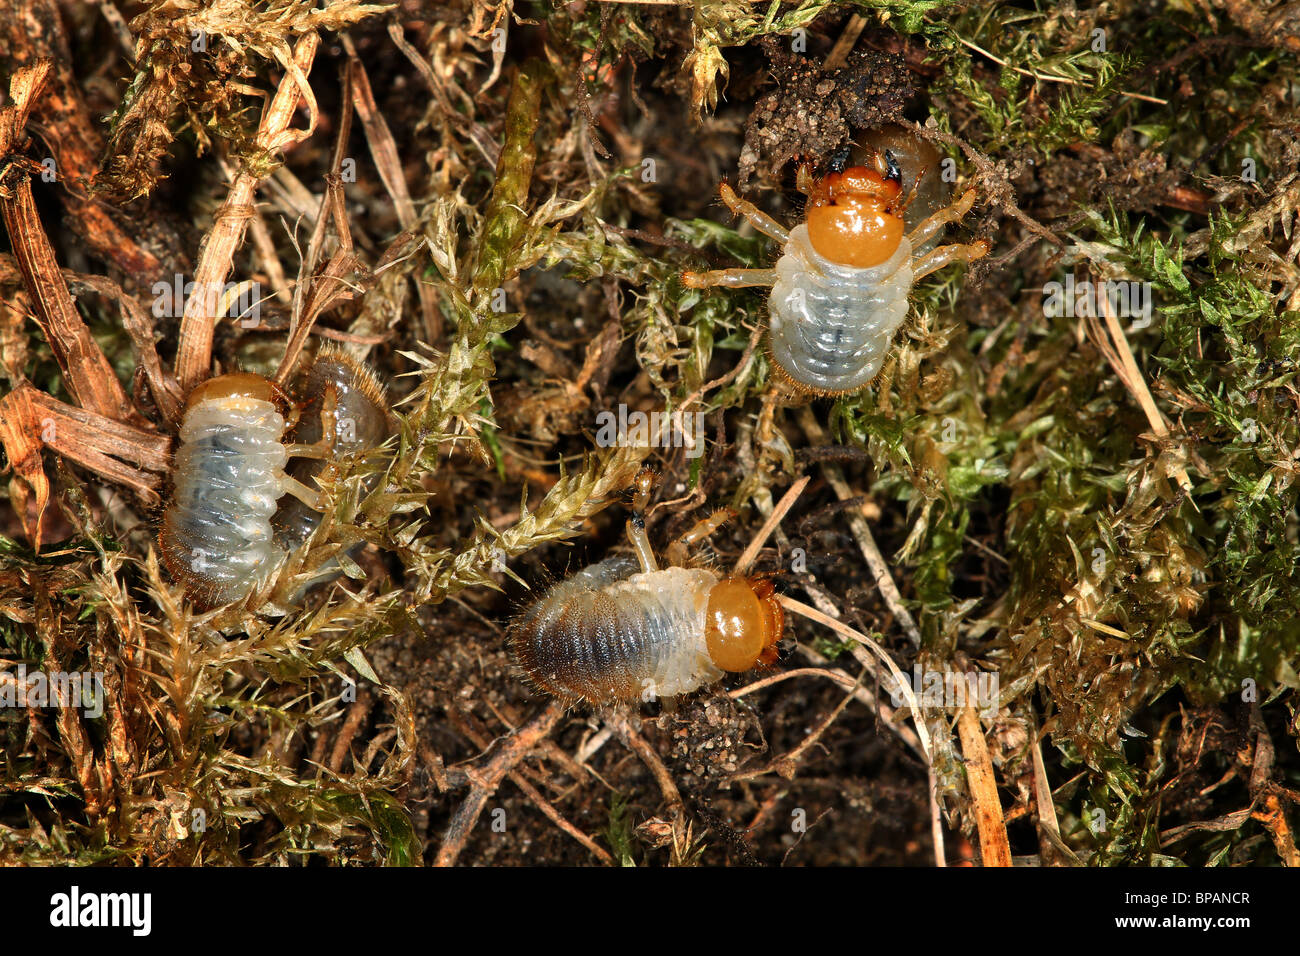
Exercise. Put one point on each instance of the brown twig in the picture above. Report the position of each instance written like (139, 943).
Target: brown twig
(469, 728)
(32, 31)
(216, 260)
(1003, 196)
(638, 745)
(862, 531)
(994, 848)
(727, 378)
(786, 764)
(90, 378)
(357, 715)
(485, 780)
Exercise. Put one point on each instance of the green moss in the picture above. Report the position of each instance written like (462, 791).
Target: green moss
(1034, 522)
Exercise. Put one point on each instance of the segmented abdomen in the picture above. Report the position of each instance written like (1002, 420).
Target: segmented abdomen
(610, 633)
(216, 535)
(361, 422)
(831, 325)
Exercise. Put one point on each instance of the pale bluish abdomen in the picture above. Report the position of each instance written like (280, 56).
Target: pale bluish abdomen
(227, 481)
(831, 325)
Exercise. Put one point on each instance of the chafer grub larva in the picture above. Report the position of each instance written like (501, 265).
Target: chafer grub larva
(839, 290)
(229, 474)
(627, 630)
(217, 537)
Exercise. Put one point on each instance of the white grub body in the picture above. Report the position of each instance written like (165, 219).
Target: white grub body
(611, 632)
(831, 325)
(229, 469)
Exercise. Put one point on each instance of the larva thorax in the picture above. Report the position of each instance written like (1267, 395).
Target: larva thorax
(831, 324)
(840, 288)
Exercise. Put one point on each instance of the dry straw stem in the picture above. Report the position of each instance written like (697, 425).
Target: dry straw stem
(485, 780)
(383, 148)
(1049, 77)
(216, 260)
(338, 281)
(864, 694)
(1119, 354)
(1049, 829)
(861, 531)
(89, 376)
(844, 45)
(751, 552)
(904, 685)
(994, 848)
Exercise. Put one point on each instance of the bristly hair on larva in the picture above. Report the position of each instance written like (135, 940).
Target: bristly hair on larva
(840, 288)
(624, 629)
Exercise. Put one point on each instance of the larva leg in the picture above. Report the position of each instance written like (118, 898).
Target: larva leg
(636, 524)
(678, 551)
(320, 449)
(931, 226)
(323, 449)
(729, 278)
(936, 259)
(766, 417)
(312, 499)
(757, 218)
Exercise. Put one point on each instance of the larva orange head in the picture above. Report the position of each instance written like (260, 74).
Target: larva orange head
(238, 385)
(744, 623)
(852, 219)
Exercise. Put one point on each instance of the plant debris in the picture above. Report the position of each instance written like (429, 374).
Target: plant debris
(1049, 560)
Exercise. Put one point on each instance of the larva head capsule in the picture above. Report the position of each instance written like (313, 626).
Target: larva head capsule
(853, 219)
(238, 385)
(744, 623)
